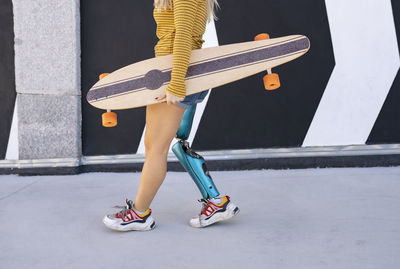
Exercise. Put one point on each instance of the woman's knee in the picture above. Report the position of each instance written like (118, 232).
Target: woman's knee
(156, 146)
(157, 149)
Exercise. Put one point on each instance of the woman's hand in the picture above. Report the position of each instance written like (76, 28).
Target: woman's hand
(170, 98)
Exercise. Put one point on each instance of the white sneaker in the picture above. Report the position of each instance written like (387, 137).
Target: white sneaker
(129, 220)
(213, 212)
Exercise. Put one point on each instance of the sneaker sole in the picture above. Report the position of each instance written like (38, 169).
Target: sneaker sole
(127, 228)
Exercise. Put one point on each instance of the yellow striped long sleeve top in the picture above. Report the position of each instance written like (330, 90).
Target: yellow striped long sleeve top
(179, 31)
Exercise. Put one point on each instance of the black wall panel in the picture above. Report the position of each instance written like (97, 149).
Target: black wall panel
(238, 115)
(7, 73)
(243, 115)
(114, 34)
(387, 125)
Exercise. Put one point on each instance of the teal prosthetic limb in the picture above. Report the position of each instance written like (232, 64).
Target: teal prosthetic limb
(186, 124)
(193, 163)
(196, 167)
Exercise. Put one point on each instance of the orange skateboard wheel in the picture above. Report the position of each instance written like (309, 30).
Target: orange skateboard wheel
(272, 82)
(103, 75)
(109, 119)
(263, 36)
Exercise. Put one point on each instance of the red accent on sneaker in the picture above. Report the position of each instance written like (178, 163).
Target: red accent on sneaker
(210, 208)
(131, 215)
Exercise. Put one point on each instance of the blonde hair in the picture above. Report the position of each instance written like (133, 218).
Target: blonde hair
(167, 4)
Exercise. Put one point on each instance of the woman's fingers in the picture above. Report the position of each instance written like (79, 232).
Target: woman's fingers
(162, 97)
(171, 102)
(175, 101)
(170, 98)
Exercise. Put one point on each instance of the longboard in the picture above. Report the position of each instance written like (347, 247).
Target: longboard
(138, 84)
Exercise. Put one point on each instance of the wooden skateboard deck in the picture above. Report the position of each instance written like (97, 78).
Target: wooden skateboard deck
(138, 84)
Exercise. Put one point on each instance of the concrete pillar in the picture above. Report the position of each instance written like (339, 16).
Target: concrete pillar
(47, 71)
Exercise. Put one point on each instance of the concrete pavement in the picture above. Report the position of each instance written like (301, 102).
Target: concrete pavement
(313, 218)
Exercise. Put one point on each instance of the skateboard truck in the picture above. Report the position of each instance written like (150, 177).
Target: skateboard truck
(271, 80)
(109, 118)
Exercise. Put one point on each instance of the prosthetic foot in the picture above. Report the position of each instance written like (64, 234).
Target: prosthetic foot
(213, 211)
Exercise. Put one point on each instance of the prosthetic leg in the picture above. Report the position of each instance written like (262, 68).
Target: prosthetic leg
(194, 164)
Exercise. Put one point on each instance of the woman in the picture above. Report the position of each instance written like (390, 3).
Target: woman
(180, 27)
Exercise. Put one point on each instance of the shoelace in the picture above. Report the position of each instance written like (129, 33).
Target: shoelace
(125, 208)
(204, 205)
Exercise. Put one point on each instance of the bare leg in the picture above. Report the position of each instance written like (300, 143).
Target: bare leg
(162, 123)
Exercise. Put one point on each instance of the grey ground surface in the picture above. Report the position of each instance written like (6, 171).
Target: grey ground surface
(314, 218)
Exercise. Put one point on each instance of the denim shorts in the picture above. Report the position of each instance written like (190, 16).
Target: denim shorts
(193, 99)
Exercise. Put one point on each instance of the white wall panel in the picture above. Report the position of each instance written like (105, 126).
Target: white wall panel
(367, 60)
